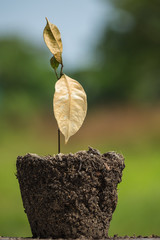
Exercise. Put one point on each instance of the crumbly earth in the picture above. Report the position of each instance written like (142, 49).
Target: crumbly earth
(70, 196)
(115, 237)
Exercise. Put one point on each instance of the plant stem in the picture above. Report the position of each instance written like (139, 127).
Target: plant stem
(59, 133)
(59, 141)
(61, 72)
(56, 74)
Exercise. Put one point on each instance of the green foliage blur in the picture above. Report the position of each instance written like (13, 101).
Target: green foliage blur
(26, 84)
(123, 78)
(126, 61)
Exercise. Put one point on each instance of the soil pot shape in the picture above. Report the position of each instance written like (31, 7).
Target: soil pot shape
(70, 196)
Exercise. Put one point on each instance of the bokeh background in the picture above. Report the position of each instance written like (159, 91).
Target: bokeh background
(112, 48)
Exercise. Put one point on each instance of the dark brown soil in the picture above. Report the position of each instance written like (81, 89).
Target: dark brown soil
(70, 196)
(83, 238)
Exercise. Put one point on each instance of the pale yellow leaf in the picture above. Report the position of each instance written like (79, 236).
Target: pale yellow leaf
(52, 38)
(70, 105)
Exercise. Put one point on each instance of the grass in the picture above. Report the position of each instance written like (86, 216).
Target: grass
(139, 195)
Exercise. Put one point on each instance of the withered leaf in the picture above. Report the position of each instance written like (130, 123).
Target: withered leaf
(54, 63)
(52, 38)
(70, 105)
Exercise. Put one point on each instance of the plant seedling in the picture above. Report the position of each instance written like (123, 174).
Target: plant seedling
(69, 196)
(70, 100)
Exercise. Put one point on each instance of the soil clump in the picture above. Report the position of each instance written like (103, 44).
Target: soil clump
(70, 196)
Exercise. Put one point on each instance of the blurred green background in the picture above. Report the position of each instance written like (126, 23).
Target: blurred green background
(118, 64)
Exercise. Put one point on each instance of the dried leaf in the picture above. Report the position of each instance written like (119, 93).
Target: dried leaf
(70, 105)
(52, 38)
(54, 63)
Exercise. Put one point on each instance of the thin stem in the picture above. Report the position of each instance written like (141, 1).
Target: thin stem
(61, 72)
(59, 133)
(59, 141)
(56, 74)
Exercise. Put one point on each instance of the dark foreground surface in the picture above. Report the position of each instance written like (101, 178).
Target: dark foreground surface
(70, 196)
(152, 237)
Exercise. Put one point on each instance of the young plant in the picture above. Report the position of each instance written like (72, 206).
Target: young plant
(70, 100)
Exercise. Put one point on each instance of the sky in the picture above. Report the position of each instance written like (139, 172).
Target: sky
(81, 24)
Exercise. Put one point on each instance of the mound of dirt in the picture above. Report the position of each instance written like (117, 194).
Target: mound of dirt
(70, 196)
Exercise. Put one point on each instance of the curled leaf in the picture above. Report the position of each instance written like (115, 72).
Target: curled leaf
(54, 63)
(70, 105)
(52, 38)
